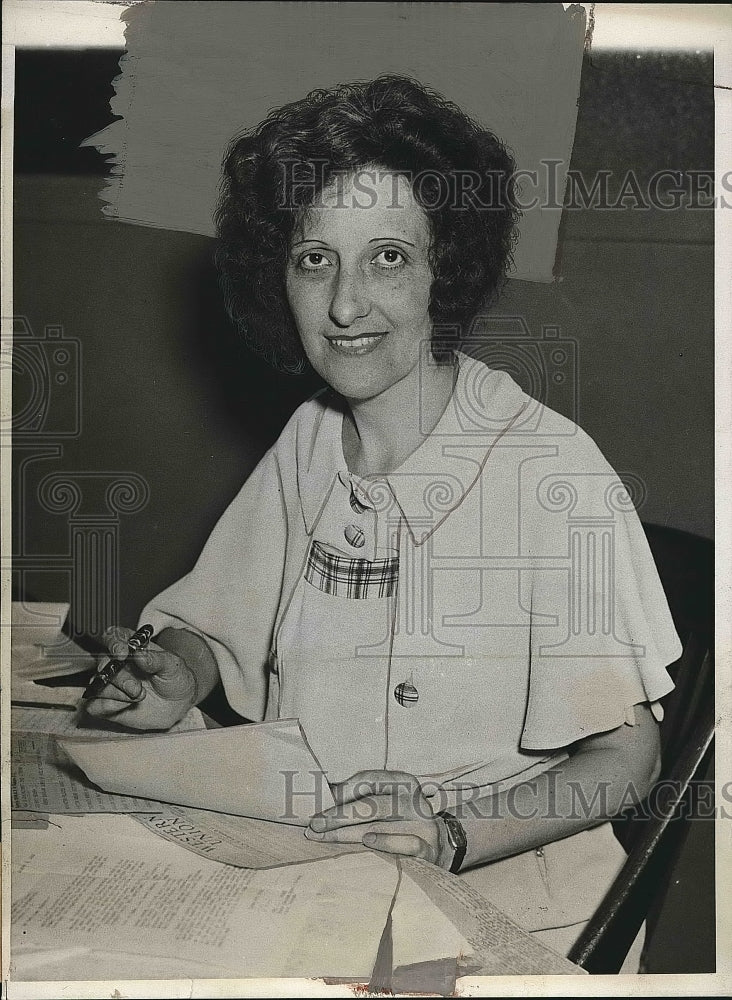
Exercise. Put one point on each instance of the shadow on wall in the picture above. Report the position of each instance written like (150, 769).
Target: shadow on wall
(253, 398)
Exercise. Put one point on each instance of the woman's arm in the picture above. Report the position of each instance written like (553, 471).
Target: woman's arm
(604, 774)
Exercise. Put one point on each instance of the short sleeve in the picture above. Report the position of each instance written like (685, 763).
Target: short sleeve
(601, 631)
(231, 596)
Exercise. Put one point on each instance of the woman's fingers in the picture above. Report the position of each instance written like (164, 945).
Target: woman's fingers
(385, 810)
(374, 795)
(127, 684)
(152, 689)
(124, 686)
(115, 639)
(166, 673)
(400, 843)
(419, 840)
(365, 783)
(106, 708)
(363, 810)
(353, 834)
(154, 660)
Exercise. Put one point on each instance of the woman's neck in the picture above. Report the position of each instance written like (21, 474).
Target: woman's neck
(379, 434)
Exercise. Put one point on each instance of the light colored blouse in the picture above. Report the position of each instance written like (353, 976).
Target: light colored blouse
(468, 616)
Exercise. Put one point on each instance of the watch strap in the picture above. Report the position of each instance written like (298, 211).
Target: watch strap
(456, 838)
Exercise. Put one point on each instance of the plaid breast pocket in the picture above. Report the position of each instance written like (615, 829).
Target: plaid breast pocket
(358, 579)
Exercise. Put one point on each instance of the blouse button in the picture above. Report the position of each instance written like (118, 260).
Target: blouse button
(354, 536)
(357, 502)
(406, 694)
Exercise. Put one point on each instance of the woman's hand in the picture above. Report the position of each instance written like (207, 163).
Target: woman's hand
(384, 810)
(153, 690)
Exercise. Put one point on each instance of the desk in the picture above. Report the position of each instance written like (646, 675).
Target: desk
(100, 897)
(90, 890)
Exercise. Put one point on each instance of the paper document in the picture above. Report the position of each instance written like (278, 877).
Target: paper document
(499, 946)
(31, 693)
(122, 901)
(74, 720)
(43, 719)
(44, 780)
(263, 770)
(42, 662)
(421, 932)
(39, 649)
(35, 623)
(239, 840)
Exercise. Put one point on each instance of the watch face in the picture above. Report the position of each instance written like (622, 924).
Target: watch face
(455, 832)
(456, 838)
(451, 834)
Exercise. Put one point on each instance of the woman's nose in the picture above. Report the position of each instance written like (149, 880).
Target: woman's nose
(350, 301)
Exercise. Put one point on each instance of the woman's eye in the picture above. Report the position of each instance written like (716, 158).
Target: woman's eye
(389, 258)
(314, 261)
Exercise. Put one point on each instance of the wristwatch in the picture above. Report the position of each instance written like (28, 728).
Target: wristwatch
(456, 838)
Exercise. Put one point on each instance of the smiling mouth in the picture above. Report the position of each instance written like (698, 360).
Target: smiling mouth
(361, 344)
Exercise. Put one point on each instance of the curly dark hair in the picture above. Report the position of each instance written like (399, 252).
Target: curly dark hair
(274, 172)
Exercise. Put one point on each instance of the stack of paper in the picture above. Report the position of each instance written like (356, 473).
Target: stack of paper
(73, 720)
(98, 897)
(261, 770)
(236, 895)
(44, 780)
(47, 780)
(40, 651)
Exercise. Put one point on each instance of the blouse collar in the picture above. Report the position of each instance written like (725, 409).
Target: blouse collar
(436, 477)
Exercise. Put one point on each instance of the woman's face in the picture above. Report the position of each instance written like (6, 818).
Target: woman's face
(358, 283)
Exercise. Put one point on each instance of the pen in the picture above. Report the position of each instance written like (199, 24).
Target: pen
(138, 640)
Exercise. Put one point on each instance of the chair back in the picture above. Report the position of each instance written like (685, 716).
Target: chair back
(685, 565)
(654, 838)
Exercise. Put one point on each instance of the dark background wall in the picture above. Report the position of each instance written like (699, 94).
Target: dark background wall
(166, 394)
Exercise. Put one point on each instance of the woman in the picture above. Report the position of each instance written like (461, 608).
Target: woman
(441, 578)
